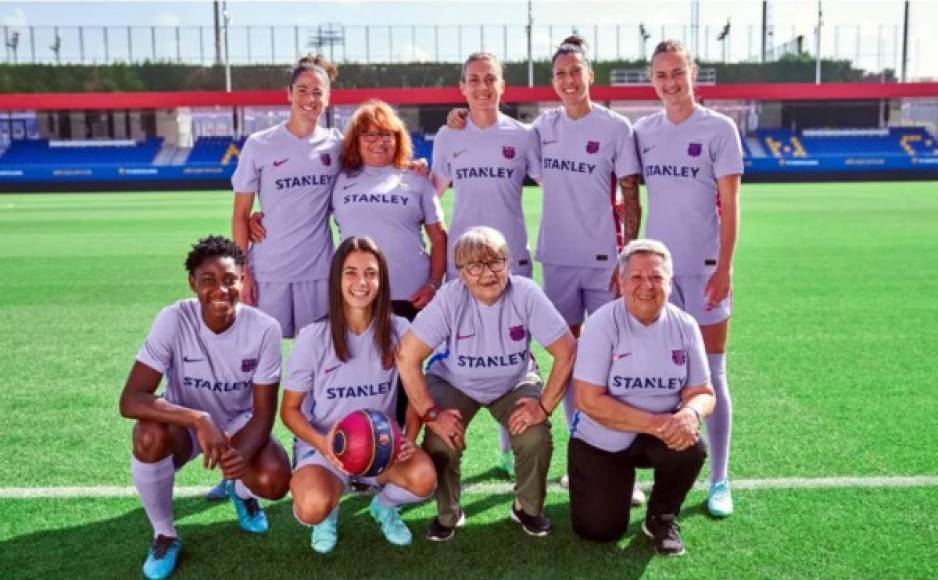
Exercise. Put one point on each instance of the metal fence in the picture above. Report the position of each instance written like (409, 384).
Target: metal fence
(871, 47)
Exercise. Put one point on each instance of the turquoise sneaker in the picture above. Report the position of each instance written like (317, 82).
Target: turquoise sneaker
(251, 516)
(720, 500)
(394, 530)
(325, 534)
(162, 557)
(506, 462)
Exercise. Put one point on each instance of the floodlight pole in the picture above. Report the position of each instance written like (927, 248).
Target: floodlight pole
(905, 42)
(817, 46)
(226, 19)
(530, 44)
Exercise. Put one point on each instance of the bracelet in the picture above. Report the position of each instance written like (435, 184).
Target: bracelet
(696, 413)
(435, 285)
(543, 408)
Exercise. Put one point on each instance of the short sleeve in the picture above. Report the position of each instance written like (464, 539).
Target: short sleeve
(534, 154)
(440, 165)
(728, 156)
(430, 203)
(430, 325)
(594, 353)
(268, 364)
(157, 349)
(698, 371)
(304, 360)
(626, 162)
(246, 178)
(545, 323)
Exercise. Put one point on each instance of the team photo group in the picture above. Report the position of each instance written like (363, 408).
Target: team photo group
(405, 328)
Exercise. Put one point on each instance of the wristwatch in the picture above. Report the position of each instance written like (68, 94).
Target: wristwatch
(431, 415)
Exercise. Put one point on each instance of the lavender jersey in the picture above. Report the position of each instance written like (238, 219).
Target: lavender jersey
(681, 164)
(580, 160)
(389, 206)
(645, 367)
(213, 372)
(484, 351)
(487, 169)
(334, 388)
(293, 179)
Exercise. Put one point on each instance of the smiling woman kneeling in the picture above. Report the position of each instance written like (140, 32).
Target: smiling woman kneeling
(642, 388)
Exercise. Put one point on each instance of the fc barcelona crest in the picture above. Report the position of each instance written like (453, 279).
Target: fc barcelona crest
(517, 332)
(679, 357)
(508, 152)
(326, 159)
(694, 149)
(248, 364)
(592, 147)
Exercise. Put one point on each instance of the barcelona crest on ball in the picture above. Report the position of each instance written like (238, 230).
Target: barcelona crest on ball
(366, 442)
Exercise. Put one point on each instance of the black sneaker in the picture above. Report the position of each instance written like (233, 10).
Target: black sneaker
(666, 534)
(538, 526)
(437, 532)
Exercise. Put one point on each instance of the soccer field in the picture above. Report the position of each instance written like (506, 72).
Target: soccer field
(831, 364)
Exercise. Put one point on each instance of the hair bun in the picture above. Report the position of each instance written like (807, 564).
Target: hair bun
(575, 40)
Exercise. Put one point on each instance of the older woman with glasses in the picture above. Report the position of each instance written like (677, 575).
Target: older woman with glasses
(479, 330)
(642, 390)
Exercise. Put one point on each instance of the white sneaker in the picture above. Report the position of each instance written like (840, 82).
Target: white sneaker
(638, 496)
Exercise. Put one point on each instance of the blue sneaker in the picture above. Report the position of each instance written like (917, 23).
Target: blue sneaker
(394, 530)
(162, 557)
(720, 500)
(325, 534)
(251, 516)
(219, 492)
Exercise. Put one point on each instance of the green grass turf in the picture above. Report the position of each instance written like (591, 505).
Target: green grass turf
(792, 534)
(831, 366)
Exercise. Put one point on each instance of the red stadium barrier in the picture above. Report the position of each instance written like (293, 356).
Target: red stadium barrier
(451, 96)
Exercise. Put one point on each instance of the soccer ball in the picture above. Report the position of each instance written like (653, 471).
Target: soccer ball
(366, 442)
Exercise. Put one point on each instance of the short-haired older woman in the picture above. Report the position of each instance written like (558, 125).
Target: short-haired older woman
(642, 389)
(480, 326)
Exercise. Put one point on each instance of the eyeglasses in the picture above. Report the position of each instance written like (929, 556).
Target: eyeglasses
(372, 136)
(476, 268)
(654, 279)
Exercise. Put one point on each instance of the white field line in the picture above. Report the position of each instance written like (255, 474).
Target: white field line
(500, 488)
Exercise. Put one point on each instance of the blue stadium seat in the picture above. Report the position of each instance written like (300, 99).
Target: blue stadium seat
(39, 152)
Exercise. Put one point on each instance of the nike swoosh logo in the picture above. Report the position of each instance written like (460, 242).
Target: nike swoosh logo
(281, 162)
(344, 187)
(464, 336)
(458, 153)
(329, 370)
(548, 142)
(621, 356)
(187, 359)
(647, 149)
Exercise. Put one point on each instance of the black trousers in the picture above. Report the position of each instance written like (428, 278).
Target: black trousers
(405, 309)
(601, 483)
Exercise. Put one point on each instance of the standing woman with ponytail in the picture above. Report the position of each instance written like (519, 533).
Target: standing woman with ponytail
(291, 167)
(692, 163)
(585, 150)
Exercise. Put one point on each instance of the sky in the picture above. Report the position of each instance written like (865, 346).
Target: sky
(865, 31)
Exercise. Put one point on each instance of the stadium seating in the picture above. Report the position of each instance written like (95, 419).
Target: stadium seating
(902, 142)
(215, 151)
(42, 152)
